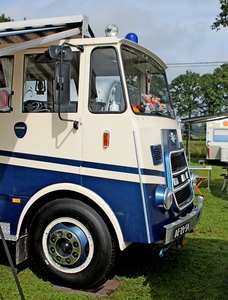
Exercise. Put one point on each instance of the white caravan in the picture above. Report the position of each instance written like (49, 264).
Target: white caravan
(217, 140)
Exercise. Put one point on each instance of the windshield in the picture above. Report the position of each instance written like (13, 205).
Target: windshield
(147, 85)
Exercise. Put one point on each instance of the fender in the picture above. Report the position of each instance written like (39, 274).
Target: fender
(84, 191)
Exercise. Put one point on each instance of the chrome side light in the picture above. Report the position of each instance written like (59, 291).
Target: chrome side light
(164, 197)
(168, 199)
(193, 178)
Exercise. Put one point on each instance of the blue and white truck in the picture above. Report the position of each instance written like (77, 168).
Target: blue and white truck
(91, 154)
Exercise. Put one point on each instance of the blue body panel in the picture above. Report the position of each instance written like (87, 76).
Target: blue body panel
(123, 197)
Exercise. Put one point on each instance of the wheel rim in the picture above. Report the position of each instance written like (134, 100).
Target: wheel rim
(67, 245)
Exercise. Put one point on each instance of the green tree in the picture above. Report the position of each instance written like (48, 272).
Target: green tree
(209, 100)
(195, 128)
(185, 92)
(220, 75)
(222, 19)
(195, 95)
(3, 18)
(214, 89)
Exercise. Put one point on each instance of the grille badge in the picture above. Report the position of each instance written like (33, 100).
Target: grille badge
(172, 137)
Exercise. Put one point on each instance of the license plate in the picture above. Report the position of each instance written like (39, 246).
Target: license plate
(179, 231)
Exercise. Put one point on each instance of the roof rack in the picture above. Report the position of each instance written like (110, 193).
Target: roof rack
(31, 33)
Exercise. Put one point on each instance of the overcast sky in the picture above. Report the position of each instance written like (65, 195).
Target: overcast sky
(178, 31)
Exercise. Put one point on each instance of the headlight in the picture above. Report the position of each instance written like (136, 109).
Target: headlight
(111, 30)
(164, 197)
(193, 178)
(168, 199)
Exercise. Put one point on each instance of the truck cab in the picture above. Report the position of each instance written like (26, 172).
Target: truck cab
(91, 154)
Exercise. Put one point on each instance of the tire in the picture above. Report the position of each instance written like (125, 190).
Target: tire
(71, 245)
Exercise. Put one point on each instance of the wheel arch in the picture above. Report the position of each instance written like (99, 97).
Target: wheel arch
(68, 190)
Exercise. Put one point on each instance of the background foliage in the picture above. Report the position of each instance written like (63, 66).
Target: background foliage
(222, 18)
(195, 95)
(3, 18)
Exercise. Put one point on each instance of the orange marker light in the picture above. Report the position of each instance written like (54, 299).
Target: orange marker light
(16, 200)
(106, 137)
(225, 123)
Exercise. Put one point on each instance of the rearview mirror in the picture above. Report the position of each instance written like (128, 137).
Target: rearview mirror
(56, 52)
(62, 84)
(43, 58)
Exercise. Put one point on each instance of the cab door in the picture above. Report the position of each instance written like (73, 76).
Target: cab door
(109, 165)
(47, 148)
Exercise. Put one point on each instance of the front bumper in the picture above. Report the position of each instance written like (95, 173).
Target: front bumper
(185, 224)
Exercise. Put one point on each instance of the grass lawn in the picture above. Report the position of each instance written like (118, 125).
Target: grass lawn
(197, 271)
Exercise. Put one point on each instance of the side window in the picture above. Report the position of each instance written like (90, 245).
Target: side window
(106, 93)
(146, 83)
(38, 93)
(220, 135)
(6, 79)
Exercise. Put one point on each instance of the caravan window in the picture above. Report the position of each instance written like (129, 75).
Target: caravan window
(220, 135)
(38, 85)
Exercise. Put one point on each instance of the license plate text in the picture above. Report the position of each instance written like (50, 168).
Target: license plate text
(181, 230)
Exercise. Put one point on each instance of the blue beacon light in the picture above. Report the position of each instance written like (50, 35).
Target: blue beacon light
(132, 37)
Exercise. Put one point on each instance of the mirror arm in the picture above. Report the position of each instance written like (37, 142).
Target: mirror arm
(10, 100)
(79, 47)
(75, 123)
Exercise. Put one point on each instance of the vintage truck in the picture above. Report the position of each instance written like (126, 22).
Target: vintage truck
(91, 154)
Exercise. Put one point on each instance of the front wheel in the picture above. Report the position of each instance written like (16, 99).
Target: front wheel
(71, 244)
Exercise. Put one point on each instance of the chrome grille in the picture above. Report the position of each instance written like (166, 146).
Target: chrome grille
(177, 161)
(184, 193)
(180, 179)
